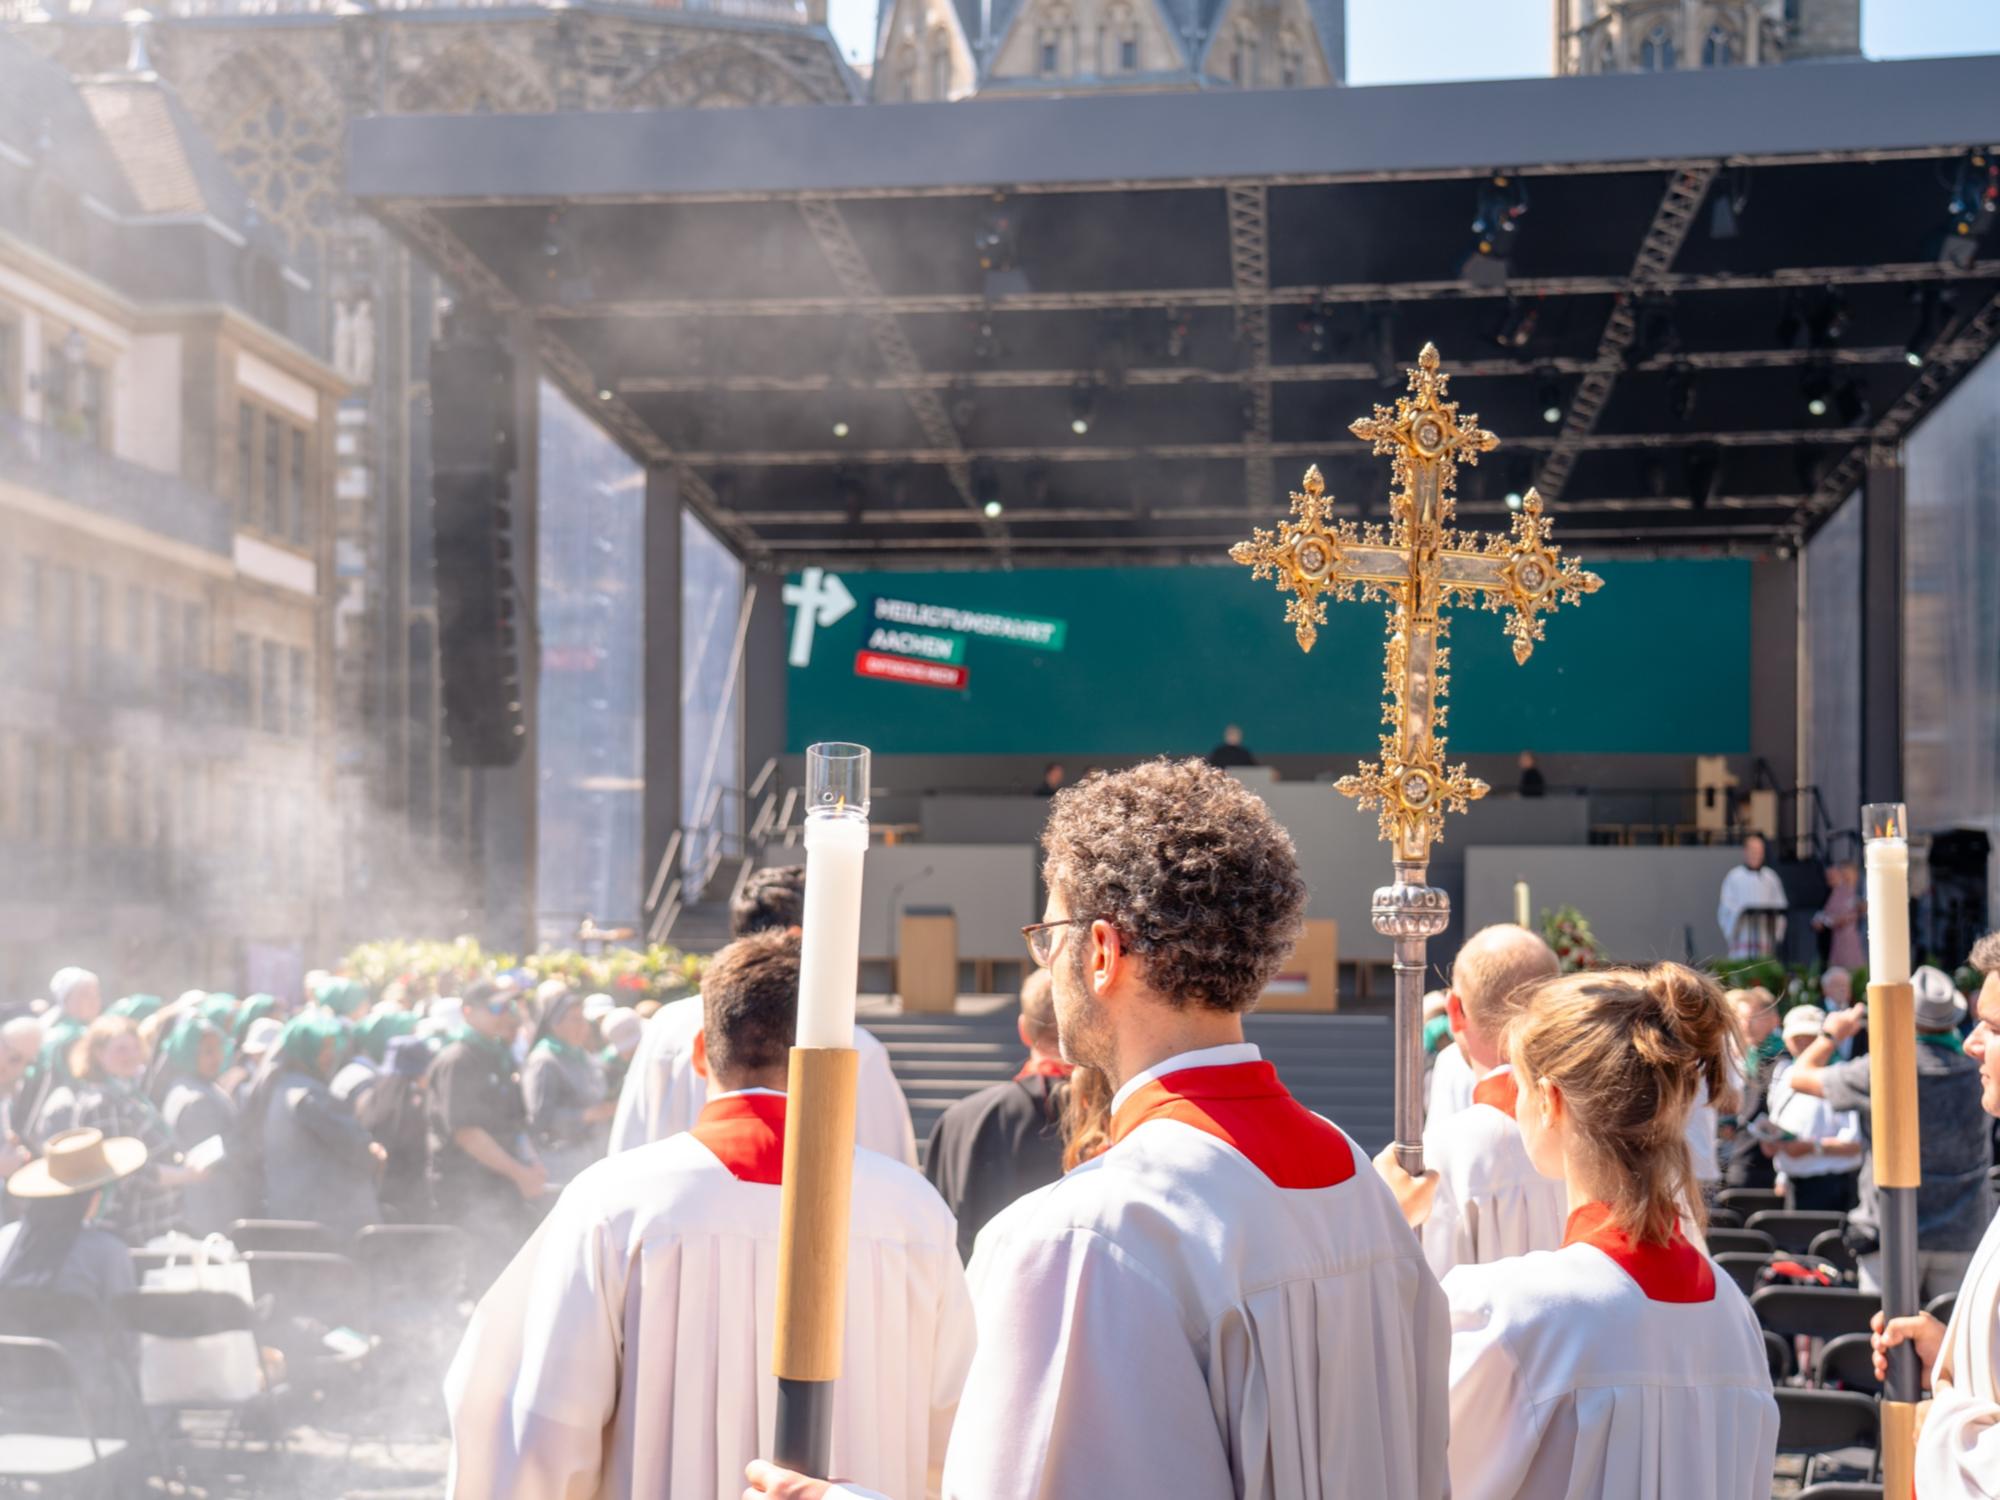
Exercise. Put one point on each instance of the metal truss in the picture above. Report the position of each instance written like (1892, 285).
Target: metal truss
(1232, 515)
(1250, 279)
(805, 458)
(1686, 190)
(850, 267)
(1335, 293)
(1949, 360)
(1332, 371)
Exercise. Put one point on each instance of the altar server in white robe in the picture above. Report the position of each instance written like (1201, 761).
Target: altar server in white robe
(663, 1093)
(1751, 887)
(1958, 1445)
(1621, 1366)
(1452, 1080)
(627, 1350)
(1490, 1200)
(1226, 1302)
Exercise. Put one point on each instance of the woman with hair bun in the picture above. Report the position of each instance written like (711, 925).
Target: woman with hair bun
(1621, 1366)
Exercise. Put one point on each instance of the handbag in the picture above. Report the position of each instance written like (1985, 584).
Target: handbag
(220, 1369)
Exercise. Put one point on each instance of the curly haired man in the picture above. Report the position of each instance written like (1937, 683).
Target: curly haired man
(1227, 1300)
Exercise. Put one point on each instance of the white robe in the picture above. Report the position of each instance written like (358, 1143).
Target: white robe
(663, 1094)
(1452, 1079)
(1742, 888)
(1491, 1202)
(1958, 1451)
(627, 1349)
(1166, 1321)
(1568, 1381)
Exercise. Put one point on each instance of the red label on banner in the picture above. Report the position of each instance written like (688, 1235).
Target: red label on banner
(905, 669)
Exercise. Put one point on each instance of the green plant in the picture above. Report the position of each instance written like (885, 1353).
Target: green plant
(629, 974)
(1566, 930)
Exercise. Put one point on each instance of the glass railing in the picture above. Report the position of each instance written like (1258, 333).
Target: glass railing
(78, 471)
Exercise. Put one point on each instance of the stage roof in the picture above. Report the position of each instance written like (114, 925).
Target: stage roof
(787, 307)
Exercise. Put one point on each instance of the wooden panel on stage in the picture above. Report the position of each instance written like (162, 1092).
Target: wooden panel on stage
(1309, 979)
(927, 965)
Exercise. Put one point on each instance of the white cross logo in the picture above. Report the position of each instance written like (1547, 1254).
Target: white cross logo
(821, 598)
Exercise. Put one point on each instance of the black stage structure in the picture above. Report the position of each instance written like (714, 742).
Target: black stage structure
(1114, 330)
(1118, 329)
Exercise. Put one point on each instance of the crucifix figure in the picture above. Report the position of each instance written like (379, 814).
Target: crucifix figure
(1418, 564)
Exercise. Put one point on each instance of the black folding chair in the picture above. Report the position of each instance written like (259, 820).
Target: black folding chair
(1813, 1424)
(1830, 1245)
(313, 1284)
(1748, 1201)
(1724, 1218)
(283, 1234)
(1847, 1364)
(1743, 1267)
(49, 1439)
(1778, 1355)
(1816, 1312)
(1941, 1305)
(1793, 1229)
(1739, 1242)
(1839, 1491)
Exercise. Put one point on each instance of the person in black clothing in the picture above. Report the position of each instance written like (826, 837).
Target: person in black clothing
(1532, 784)
(393, 1112)
(992, 1147)
(1231, 751)
(485, 1177)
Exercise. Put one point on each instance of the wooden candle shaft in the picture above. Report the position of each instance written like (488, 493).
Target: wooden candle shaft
(1892, 1085)
(813, 1213)
(1899, 1448)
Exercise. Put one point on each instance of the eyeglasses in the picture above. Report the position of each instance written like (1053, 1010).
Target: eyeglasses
(1043, 940)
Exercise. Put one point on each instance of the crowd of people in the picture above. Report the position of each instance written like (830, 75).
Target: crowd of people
(1137, 1267)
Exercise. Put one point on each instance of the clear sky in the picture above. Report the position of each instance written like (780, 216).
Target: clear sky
(1386, 42)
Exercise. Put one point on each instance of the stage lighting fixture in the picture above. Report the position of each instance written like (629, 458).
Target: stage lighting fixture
(1513, 500)
(986, 486)
(1082, 406)
(1317, 332)
(1829, 318)
(964, 406)
(995, 239)
(1851, 403)
(993, 508)
(840, 429)
(1516, 329)
(1549, 396)
(1975, 204)
(1502, 202)
(1681, 393)
(1916, 349)
(1732, 196)
(986, 346)
(1817, 389)
(604, 393)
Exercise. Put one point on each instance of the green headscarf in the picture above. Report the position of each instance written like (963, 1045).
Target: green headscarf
(219, 1010)
(341, 996)
(182, 1049)
(305, 1035)
(137, 1007)
(375, 1033)
(255, 1008)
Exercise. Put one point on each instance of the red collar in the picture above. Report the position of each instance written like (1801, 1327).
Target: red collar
(747, 1134)
(1043, 1067)
(1673, 1272)
(1244, 1106)
(1501, 1091)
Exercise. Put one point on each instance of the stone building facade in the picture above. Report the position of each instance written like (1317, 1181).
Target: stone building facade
(274, 86)
(1655, 36)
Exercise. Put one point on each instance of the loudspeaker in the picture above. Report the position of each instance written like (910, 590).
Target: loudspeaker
(472, 531)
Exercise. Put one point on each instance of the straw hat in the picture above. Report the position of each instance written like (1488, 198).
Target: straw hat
(1804, 1020)
(78, 1161)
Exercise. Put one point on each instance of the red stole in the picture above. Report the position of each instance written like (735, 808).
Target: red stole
(1501, 1091)
(1673, 1272)
(1245, 1107)
(1043, 1067)
(747, 1134)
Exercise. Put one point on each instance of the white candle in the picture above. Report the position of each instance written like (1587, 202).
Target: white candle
(1888, 862)
(830, 946)
(1521, 903)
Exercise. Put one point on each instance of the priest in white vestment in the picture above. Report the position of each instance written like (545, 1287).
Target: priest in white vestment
(1490, 1202)
(1226, 1302)
(663, 1093)
(626, 1352)
(1958, 1445)
(1621, 1365)
(1751, 886)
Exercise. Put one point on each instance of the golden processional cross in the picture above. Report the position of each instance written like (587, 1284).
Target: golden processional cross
(1418, 564)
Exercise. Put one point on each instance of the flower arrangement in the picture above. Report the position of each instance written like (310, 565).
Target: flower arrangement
(1566, 930)
(629, 975)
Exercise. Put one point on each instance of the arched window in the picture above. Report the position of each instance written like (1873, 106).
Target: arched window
(1607, 53)
(1719, 51)
(1049, 42)
(1118, 41)
(1656, 52)
(940, 64)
